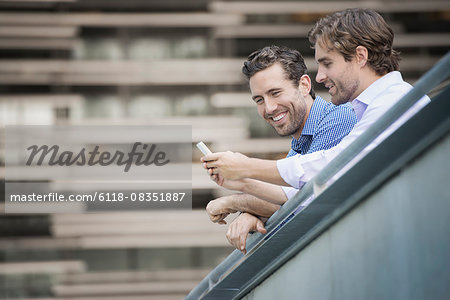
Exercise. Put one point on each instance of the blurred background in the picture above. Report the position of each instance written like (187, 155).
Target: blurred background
(147, 62)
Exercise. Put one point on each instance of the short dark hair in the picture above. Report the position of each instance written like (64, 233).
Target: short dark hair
(345, 30)
(290, 60)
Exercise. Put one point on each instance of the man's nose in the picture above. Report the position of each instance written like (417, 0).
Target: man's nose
(320, 77)
(271, 106)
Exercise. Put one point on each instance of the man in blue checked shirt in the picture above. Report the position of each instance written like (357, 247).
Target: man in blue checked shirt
(282, 91)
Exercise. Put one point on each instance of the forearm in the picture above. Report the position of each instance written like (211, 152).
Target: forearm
(264, 170)
(263, 190)
(253, 205)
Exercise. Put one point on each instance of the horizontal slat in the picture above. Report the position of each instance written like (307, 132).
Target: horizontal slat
(118, 242)
(171, 296)
(239, 100)
(37, 1)
(212, 134)
(322, 7)
(164, 67)
(422, 40)
(197, 122)
(131, 276)
(38, 31)
(301, 31)
(119, 135)
(96, 173)
(171, 72)
(199, 180)
(275, 31)
(39, 243)
(172, 216)
(118, 79)
(262, 31)
(267, 145)
(234, 100)
(124, 217)
(206, 235)
(37, 44)
(147, 228)
(42, 267)
(152, 228)
(56, 99)
(128, 288)
(122, 19)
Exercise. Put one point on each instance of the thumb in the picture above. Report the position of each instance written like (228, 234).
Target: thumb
(211, 156)
(260, 227)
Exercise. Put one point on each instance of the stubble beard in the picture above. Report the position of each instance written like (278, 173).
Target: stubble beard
(345, 91)
(296, 119)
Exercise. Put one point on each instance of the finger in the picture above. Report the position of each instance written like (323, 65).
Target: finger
(213, 178)
(260, 227)
(211, 164)
(234, 237)
(231, 231)
(223, 222)
(211, 157)
(218, 218)
(223, 216)
(230, 235)
(214, 218)
(242, 241)
(212, 209)
(216, 179)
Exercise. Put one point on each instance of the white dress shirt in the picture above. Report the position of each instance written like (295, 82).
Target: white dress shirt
(370, 105)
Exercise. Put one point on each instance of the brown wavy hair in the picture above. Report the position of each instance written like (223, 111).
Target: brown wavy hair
(345, 30)
(290, 60)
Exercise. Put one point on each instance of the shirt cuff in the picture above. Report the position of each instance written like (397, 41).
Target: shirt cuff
(289, 191)
(291, 170)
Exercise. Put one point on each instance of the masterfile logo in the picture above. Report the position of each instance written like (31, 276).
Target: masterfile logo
(96, 168)
(144, 156)
(162, 153)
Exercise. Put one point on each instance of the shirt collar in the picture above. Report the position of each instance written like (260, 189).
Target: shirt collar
(379, 86)
(314, 116)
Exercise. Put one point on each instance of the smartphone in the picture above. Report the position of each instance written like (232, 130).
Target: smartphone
(202, 147)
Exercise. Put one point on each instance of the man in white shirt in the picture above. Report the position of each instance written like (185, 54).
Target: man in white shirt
(357, 64)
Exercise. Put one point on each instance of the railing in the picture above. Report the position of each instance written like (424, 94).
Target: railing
(210, 287)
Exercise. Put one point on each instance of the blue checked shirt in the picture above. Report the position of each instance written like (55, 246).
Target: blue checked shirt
(326, 125)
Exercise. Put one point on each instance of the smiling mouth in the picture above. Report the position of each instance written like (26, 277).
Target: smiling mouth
(279, 117)
(329, 87)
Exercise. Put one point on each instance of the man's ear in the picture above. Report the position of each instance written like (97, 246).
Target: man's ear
(361, 55)
(304, 85)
